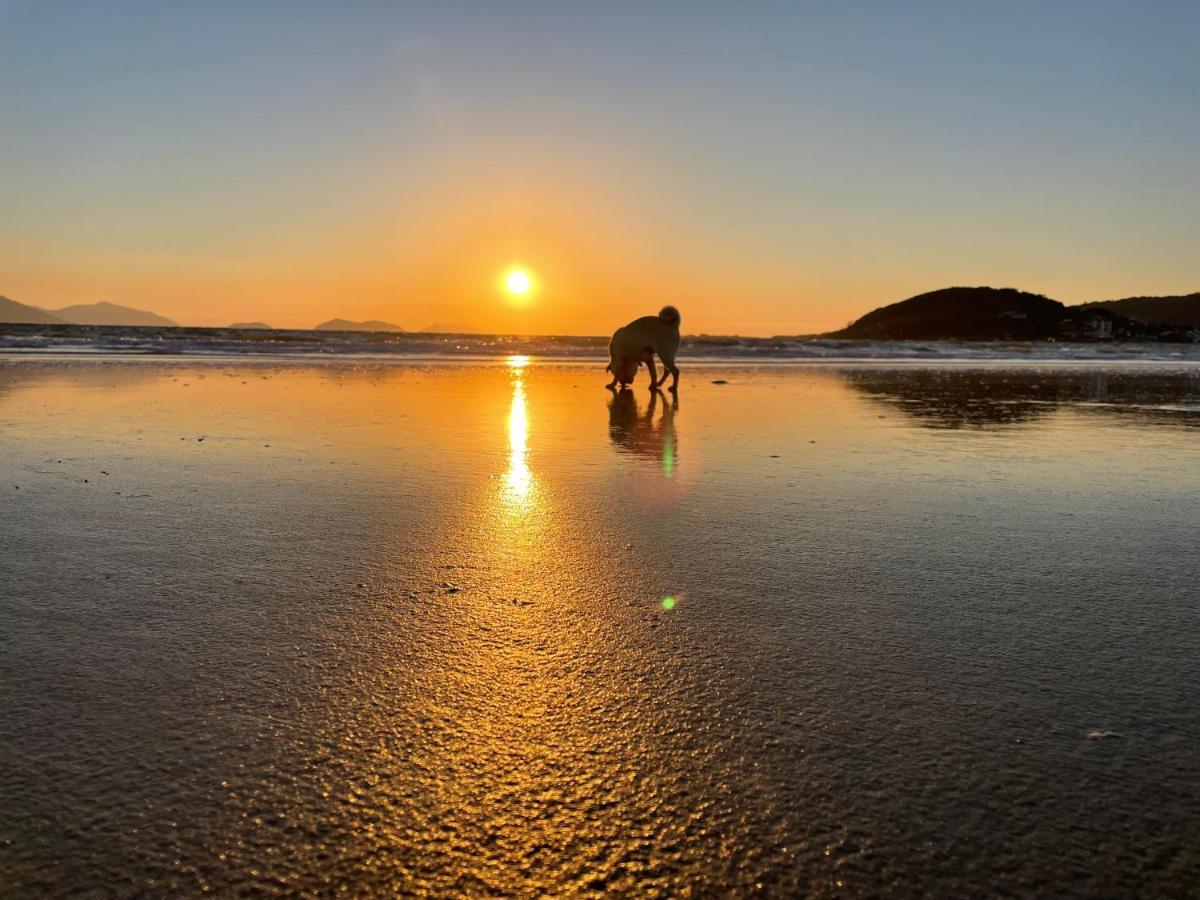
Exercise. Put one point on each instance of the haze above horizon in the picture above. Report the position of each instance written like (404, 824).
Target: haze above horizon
(774, 169)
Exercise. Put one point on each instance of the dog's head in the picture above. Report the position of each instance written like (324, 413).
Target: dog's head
(669, 315)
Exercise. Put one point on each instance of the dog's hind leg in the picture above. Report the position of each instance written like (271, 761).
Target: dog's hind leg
(674, 370)
(653, 372)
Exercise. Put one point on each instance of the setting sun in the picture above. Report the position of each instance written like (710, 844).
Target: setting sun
(518, 282)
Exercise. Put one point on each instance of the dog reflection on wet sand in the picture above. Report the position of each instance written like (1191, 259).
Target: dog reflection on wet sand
(643, 434)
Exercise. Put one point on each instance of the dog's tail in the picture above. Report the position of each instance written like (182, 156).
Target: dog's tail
(669, 314)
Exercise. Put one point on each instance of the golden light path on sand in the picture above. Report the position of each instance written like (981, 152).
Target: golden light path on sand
(518, 479)
(534, 720)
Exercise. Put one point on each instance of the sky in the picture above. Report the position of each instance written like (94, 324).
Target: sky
(769, 168)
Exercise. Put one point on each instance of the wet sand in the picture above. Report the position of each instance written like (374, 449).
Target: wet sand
(295, 629)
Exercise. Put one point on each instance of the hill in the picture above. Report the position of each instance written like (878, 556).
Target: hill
(12, 312)
(1181, 311)
(348, 325)
(252, 326)
(105, 313)
(983, 314)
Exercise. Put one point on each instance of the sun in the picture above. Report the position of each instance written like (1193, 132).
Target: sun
(518, 283)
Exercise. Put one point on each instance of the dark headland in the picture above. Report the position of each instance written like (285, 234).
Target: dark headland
(1006, 314)
(1179, 312)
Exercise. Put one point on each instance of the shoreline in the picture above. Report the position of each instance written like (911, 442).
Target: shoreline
(708, 362)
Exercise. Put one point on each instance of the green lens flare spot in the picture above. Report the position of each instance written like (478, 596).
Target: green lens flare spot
(668, 603)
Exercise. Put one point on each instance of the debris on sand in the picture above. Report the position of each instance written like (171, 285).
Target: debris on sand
(720, 381)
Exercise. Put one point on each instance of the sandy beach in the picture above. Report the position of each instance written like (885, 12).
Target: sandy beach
(484, 628)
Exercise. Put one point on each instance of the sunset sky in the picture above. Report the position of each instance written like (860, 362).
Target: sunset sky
(767, 167)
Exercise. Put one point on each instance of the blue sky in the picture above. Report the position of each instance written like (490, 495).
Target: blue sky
(777, 167)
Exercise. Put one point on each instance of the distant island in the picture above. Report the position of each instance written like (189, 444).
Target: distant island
(252, 326)
(1006, 314)
(348, 325)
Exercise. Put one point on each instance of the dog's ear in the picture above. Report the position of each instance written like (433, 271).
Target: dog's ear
(669, 314)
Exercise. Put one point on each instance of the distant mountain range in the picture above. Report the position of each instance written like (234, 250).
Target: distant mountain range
(19, 314)
(348, 325)
(992, 314)
(105, 313)
(102, 313)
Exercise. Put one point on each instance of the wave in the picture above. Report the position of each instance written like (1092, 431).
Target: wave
(101, 339)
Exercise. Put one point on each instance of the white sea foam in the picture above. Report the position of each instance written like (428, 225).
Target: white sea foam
(236, 342)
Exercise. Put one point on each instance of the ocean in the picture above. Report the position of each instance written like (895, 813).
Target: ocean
(307, 343)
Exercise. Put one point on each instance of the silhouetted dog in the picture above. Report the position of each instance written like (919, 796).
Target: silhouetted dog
(637, 342)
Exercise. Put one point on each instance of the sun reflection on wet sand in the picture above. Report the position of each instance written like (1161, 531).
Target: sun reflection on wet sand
(536, 716)
(518, 480)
